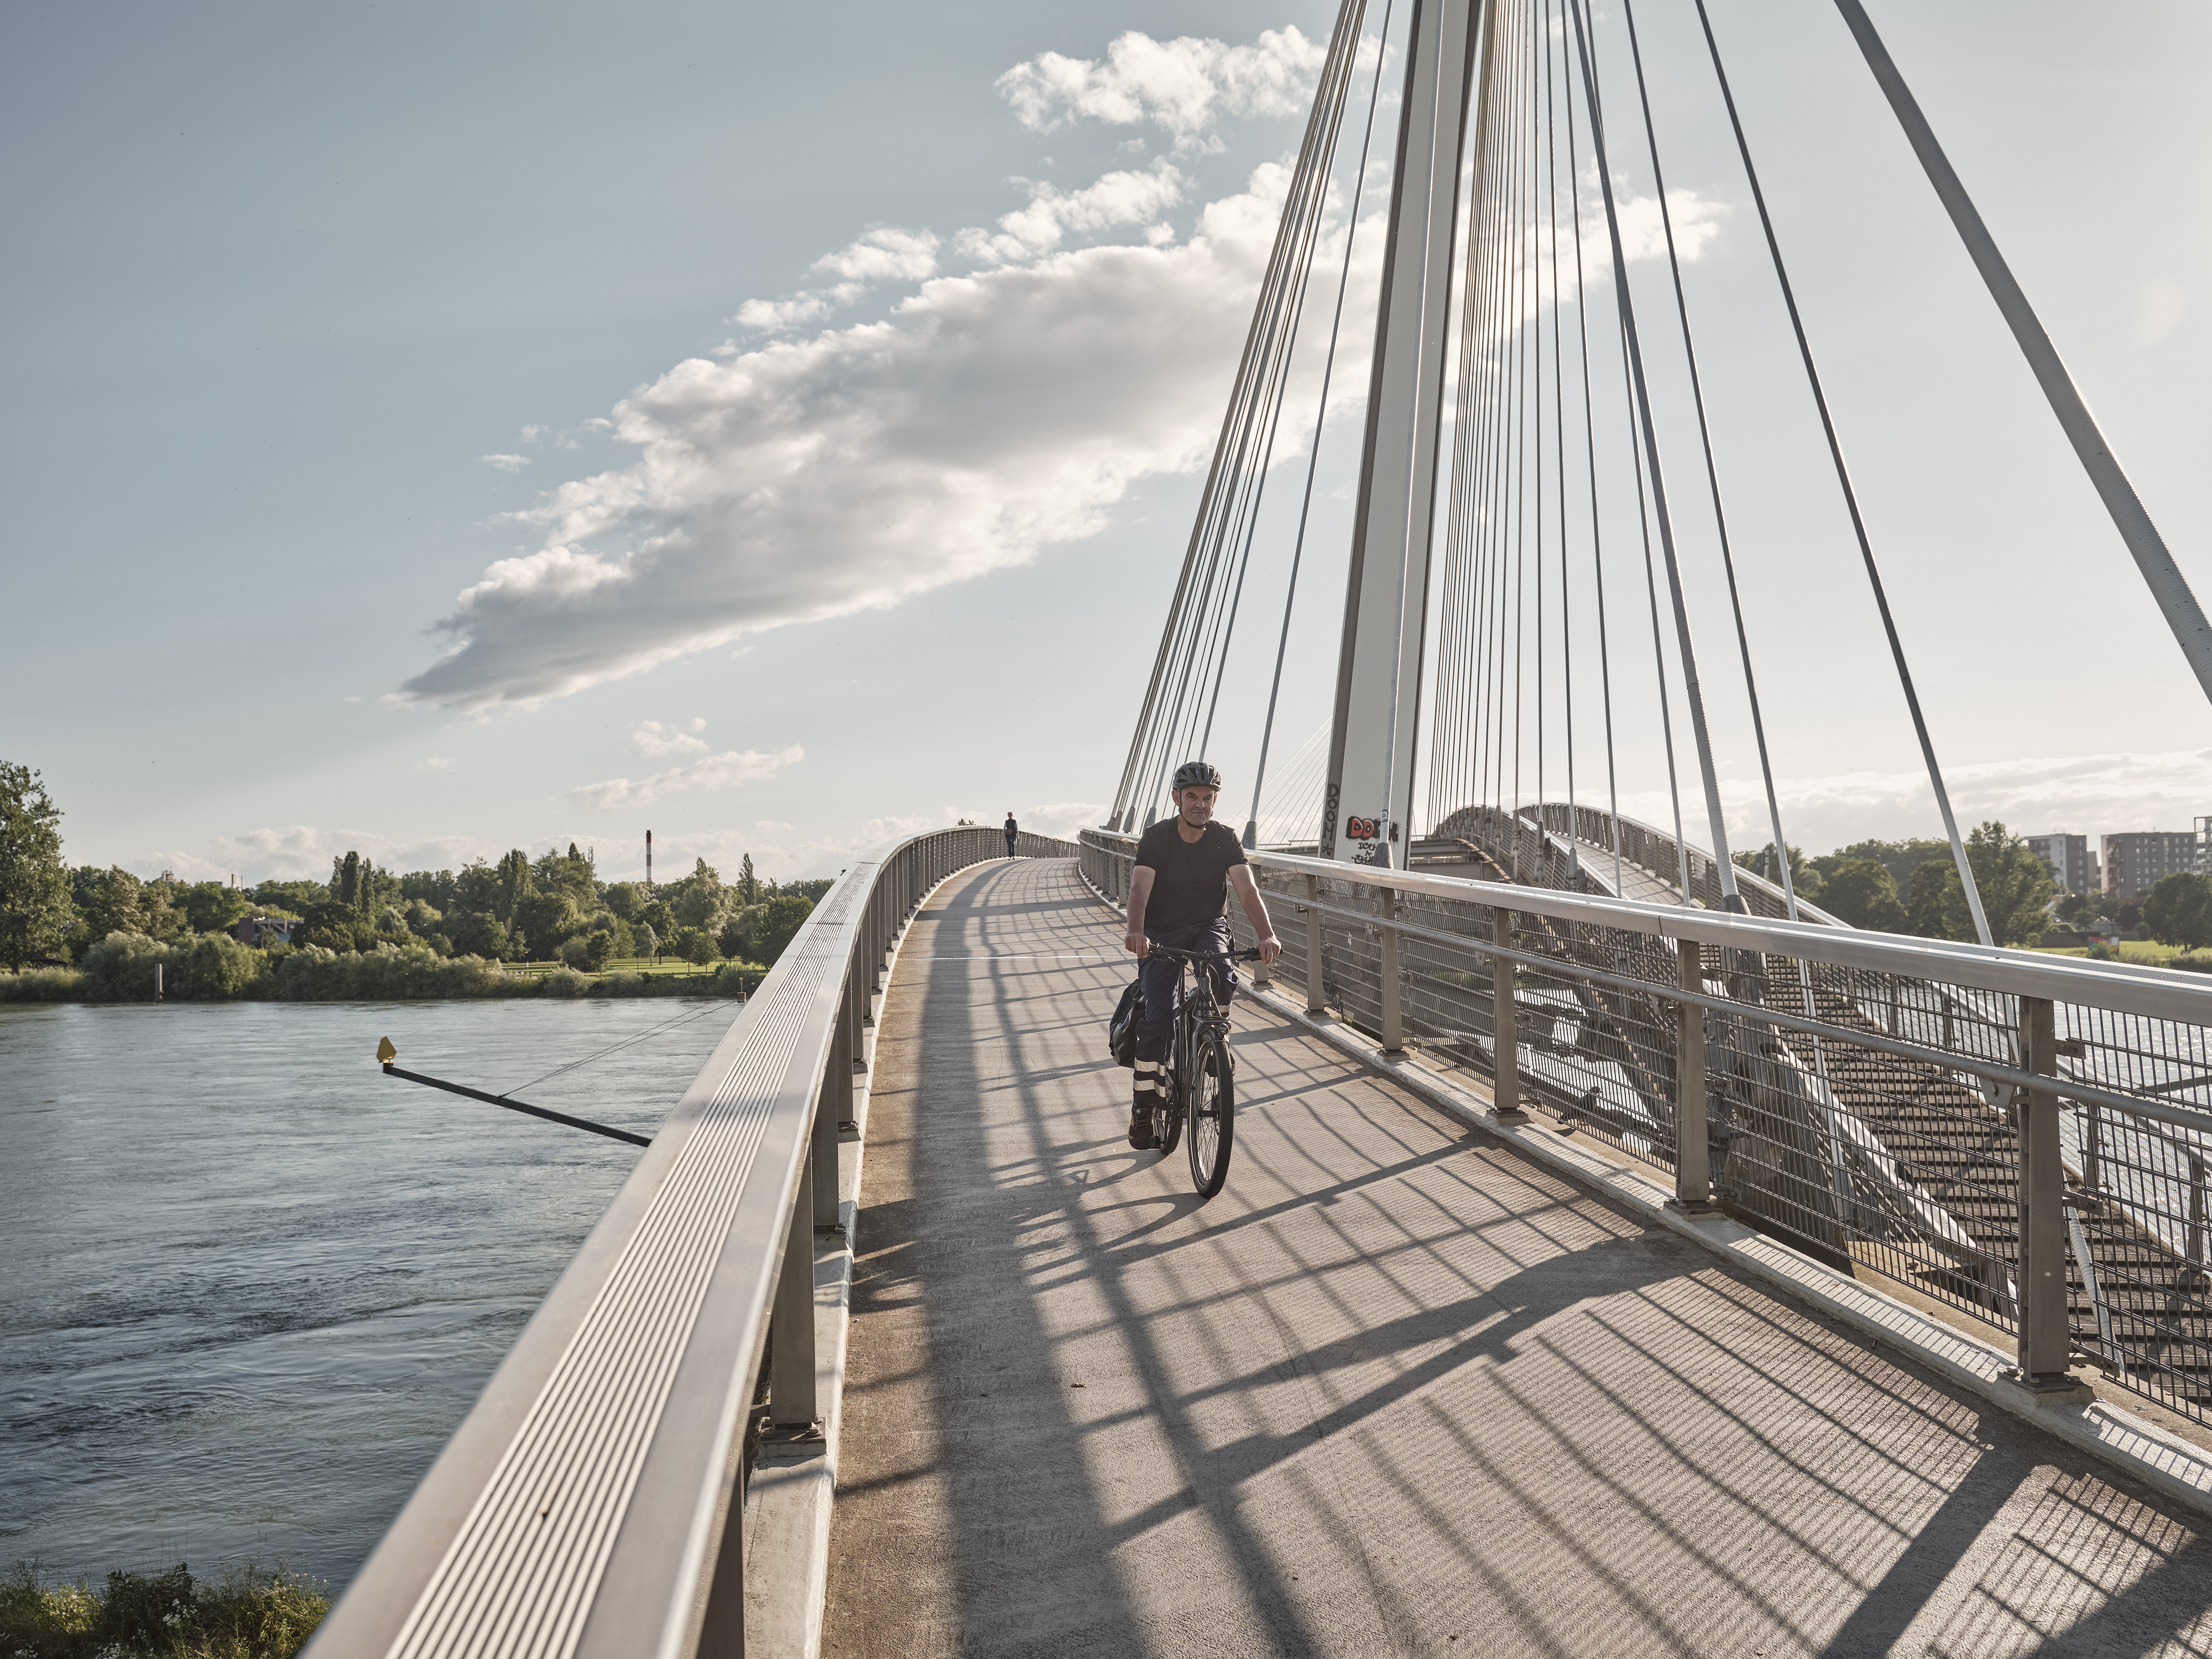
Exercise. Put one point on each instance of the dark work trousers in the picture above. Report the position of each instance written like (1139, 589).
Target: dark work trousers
(1163, 982)
(1010, 846)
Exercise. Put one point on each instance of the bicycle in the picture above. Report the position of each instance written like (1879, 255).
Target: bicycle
(1199, 1058)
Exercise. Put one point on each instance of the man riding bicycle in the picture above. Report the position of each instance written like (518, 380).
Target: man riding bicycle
(1177, 900)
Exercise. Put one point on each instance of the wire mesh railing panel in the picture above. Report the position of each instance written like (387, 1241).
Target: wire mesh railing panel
(1600, 1054)
(1868, 1114)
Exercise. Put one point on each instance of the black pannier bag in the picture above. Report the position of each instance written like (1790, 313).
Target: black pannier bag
(1121, 1030)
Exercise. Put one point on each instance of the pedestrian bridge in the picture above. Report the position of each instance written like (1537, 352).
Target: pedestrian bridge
(1418, 1377)
(1618, 1257)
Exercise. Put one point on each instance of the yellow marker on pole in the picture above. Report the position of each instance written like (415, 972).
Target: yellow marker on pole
(385, 1053)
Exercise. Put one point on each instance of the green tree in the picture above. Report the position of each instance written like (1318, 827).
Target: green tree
(697, 945)
(2179, 911)
(781, 918)
(2015, 886)
(701, 902)
(212, 907)
(216, 965)
(1899, 858)
(515, 884)
(480, 933)
(115, 902)
(748, 883)
(1937, 904)
(2082, 909)
(647, 941)
(293, 897)
(36, 915)
(432, 887)
(543, 921)
(336, 926)
(345, 881)
(1863, 894)
(626, 899)
(1802, 875)
(572, 874)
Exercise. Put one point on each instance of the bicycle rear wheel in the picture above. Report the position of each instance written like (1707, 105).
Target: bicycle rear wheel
(1212, 1109)
(1167, 1117)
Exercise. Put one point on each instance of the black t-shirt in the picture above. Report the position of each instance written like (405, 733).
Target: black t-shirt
(1187, 877)
(1012, 827)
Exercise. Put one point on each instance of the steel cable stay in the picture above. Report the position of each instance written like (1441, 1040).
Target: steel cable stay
(1226, 498)
(1321, 419)
(1589, 431)
(1219, 660)
(1851, 498)
(1713, 480)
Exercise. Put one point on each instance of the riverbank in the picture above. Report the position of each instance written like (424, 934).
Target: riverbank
(215, 968)
(245, 1614)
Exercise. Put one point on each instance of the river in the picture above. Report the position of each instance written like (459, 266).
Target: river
(250, 1284)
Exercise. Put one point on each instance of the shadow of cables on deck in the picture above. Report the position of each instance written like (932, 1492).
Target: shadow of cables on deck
(1465, 1395)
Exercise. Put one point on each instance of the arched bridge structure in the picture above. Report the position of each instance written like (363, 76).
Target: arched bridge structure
(1619, 1254)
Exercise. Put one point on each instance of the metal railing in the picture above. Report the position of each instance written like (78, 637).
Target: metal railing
(590, 1503)
(2022, 1137)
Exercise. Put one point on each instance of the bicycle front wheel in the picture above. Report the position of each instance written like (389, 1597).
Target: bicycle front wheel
(1212, 1109)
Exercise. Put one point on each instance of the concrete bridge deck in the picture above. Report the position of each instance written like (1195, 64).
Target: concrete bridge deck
(1397, 1390)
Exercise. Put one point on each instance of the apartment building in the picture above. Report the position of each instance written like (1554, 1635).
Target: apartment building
(2137, 862)
(2069, 858)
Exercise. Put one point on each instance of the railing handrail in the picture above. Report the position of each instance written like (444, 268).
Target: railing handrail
(2120, 987)
(587, 1505)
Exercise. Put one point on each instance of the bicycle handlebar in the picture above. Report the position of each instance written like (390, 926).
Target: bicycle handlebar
(1196, 957)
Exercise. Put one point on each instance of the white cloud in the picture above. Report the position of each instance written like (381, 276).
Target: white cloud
(654, 738)
(885, 255)
(715, 772)
(1643, 232)
(989, 416)
(505, 462)
(777, 316)
(1119, 198)
(882, 255)
(438, 763)
(1182, 86)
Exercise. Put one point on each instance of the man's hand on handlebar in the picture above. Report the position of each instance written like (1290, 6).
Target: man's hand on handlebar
(1270, 948)
(1138, 944)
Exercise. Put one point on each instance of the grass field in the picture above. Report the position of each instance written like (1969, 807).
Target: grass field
(2144, 953)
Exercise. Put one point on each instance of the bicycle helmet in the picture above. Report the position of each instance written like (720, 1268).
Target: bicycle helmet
(1196, 774)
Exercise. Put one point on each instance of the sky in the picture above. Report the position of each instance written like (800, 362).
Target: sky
(434, 429)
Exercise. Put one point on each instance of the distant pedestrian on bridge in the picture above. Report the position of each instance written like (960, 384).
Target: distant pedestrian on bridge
(1178, 897)
(1013, 829)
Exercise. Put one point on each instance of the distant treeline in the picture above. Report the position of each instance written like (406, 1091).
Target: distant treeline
(1913, 887)
(99, 934)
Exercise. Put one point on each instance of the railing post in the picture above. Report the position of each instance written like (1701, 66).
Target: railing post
(1393, 1018)
(1504, 1026)
(2045, 1342)
(2195, 1240)
(1693, 1179)
(794, 1408)
(1315, 1001)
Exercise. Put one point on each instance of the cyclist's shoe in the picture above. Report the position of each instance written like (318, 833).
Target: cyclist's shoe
(1140, 1128)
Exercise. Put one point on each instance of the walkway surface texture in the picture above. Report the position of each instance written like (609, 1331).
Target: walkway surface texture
(1395, 1391)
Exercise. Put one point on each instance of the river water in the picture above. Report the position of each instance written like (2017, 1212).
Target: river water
(249, 1283)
